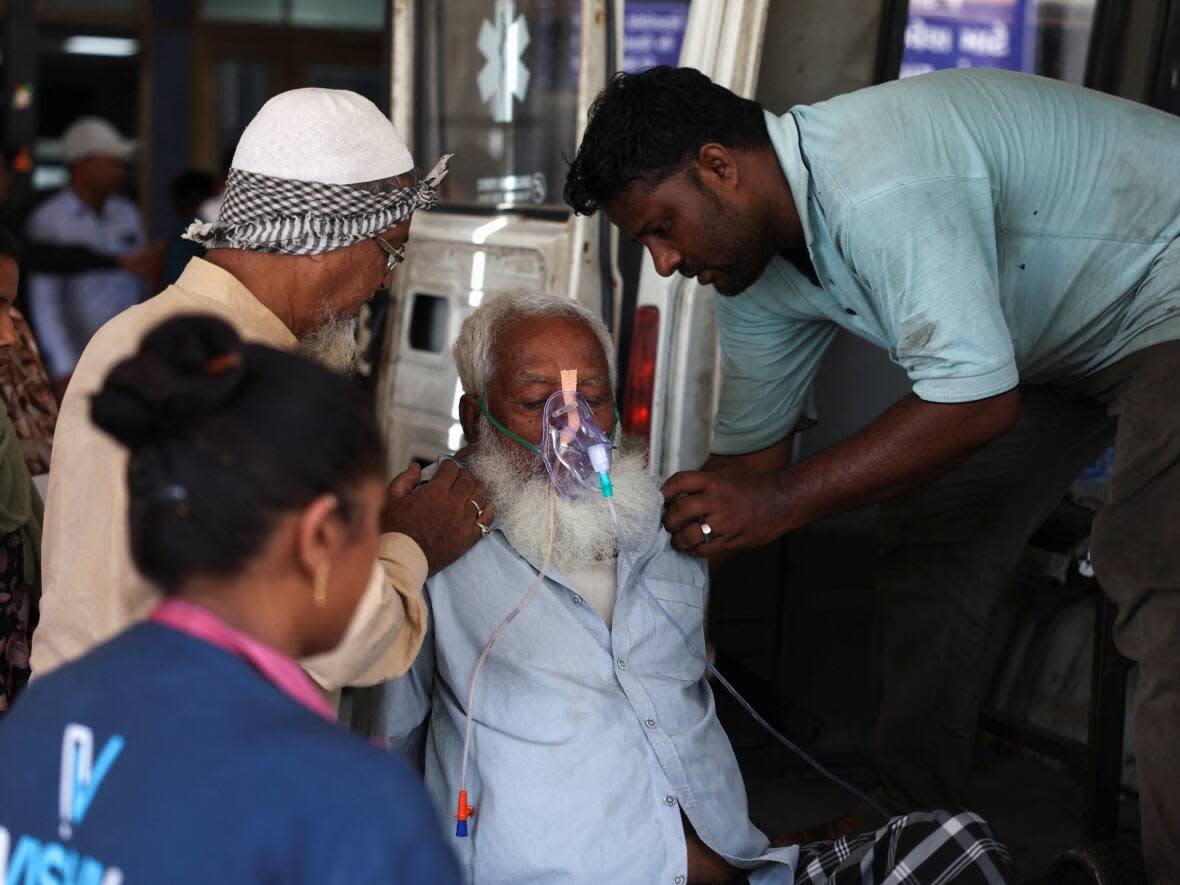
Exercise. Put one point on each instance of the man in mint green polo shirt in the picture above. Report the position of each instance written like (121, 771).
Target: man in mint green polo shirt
(1012, 242)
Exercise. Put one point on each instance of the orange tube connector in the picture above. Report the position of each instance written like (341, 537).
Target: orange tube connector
(462, 813)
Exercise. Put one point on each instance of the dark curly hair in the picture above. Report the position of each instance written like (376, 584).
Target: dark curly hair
(648, 126)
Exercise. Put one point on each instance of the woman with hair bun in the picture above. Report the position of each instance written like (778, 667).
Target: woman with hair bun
(191, 748)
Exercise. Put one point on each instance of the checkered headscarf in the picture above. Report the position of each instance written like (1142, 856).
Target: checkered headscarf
(289, 217)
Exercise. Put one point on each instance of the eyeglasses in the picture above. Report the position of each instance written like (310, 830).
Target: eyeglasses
(396, 254)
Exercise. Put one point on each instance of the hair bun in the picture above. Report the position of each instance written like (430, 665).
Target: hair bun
(184, 369)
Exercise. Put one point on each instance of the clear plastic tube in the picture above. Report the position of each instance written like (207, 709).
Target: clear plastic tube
(782, 739)
(483, 655)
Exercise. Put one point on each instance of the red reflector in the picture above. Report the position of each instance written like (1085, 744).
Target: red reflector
(641, 373)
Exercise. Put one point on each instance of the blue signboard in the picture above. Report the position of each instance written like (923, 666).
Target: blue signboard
(966, 34)
(652, 33)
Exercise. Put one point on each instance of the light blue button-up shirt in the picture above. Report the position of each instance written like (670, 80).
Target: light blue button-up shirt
(986, 228)
(588, 742)
(66, 311)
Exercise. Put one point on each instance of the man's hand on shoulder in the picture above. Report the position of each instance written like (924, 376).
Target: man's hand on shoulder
(731, 503)
(445, 516)
(728, 495)
(749, 500)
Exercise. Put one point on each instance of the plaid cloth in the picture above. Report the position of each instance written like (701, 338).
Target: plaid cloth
(927, 848)
(291, 217)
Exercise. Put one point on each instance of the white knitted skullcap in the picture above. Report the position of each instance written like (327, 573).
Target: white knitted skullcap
(331, 136)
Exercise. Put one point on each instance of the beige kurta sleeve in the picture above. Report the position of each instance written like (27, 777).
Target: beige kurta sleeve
(91, 588)
(388, 626)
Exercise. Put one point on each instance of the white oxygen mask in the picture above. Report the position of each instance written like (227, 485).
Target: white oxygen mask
(576, 451)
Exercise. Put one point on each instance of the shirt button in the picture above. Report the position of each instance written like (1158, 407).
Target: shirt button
(669, 800)
(651, 723)
(622, 664)
(679, 880)
(577, 600)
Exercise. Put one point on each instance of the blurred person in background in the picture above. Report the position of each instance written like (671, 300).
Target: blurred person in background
(67, 311)
(58, 258)
(191, 190)
(210, 209)
(20, 506)
(192, 748)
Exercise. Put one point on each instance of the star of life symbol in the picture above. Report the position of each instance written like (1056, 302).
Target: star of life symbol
(504, 77)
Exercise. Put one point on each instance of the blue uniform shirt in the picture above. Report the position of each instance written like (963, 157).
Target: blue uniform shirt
(161, 758)
(986, 228)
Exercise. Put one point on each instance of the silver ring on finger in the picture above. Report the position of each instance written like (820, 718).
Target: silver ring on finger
(478, 509)
(707, 531)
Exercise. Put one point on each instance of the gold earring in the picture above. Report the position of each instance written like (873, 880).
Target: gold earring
(319, 590)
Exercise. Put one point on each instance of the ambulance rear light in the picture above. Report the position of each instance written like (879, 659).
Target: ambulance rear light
(641, 373)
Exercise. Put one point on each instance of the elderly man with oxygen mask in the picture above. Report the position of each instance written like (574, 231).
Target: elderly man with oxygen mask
(316, 215)
(559, 705)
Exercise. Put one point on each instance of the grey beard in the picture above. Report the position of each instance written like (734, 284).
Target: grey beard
(333, 343)
(583, 532)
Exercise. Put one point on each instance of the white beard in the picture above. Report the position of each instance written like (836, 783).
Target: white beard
(333, 343)
(583, 532)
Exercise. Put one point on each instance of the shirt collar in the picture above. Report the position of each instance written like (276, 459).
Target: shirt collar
(641, 555)
(784, 135)
(207, 280)
(80, 207)
(278, 669)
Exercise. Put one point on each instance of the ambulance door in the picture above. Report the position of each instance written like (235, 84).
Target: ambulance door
(504, 85)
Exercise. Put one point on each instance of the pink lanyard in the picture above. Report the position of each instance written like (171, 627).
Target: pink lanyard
(277, 668)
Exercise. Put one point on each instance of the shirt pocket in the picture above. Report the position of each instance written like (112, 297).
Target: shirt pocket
(658, 646)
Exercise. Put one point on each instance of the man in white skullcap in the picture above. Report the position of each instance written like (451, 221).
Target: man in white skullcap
(316, 215)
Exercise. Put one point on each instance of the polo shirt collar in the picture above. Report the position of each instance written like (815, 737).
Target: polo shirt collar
(784, 136)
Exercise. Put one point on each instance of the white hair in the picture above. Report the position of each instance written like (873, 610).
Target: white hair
(475, 346)
(332, 343)
(583, 531)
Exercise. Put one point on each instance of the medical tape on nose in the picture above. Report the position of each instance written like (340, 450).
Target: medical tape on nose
(569, 387)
